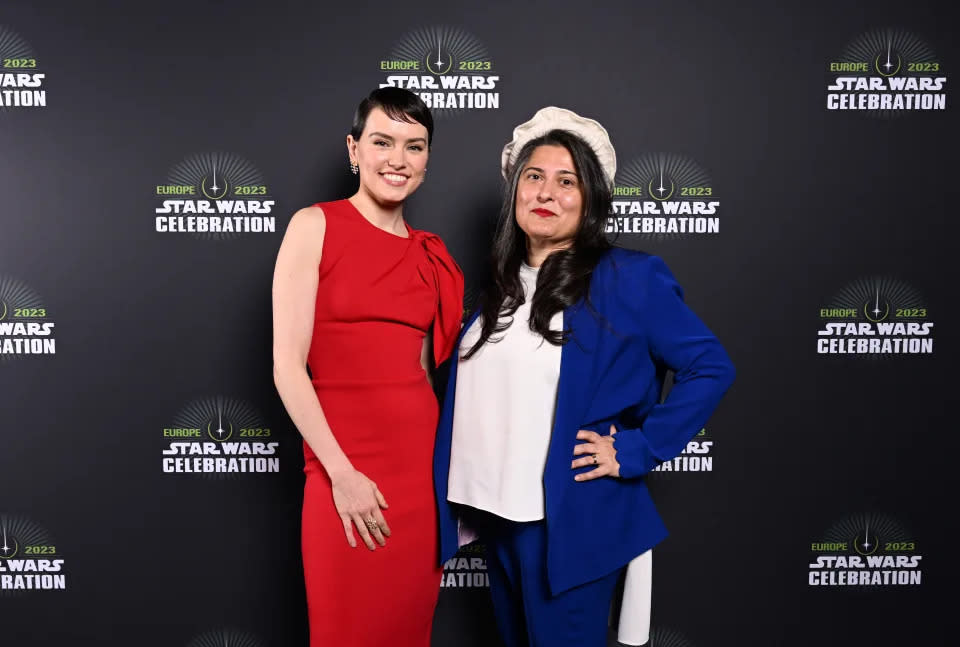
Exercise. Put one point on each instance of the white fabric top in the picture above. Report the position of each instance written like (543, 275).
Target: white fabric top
(503, 416)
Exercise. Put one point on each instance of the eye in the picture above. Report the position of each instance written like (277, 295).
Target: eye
(416, 147)
(533, 175)
(568, 182)
(380, 142)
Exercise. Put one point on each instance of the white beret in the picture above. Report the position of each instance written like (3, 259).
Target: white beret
(553, 118)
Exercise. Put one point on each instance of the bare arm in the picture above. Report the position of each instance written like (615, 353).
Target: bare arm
(295, 282)
(294, 294)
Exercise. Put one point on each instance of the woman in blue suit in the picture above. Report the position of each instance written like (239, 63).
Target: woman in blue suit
(552, 415)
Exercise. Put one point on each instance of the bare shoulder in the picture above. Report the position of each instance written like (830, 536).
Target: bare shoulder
(305, 232)
(308, 220)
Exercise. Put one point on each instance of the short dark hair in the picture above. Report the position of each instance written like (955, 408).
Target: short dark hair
(399, 104)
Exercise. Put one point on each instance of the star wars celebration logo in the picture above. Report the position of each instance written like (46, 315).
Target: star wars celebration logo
(467, 569)
(21, 82)
(696, 457)
(219, 438)
(214, 196)
(447, 67)
(865, 550)
(875, 317)
(26, 326)
(664, 196)
(887, 72)
(225, 638)
(29, 558)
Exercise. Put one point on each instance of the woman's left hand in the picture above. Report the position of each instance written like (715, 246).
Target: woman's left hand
(601, 453)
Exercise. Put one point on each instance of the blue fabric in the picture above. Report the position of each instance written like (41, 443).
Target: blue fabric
(634, 328)
(527, 614)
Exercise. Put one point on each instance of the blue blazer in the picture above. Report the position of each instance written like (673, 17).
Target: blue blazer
(634, 327)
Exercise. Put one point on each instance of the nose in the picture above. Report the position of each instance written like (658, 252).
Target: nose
(544, 192)
(396, 158)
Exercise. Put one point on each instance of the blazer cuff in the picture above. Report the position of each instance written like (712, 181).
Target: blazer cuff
(634, 453)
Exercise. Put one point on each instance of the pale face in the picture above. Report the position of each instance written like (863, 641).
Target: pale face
(549, 205)
(392, 156)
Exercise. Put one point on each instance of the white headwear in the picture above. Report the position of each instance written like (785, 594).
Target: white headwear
(553, 118)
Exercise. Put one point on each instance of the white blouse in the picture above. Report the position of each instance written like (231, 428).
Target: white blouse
(503, 416)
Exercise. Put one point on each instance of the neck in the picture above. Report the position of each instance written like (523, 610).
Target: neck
(538, 250)
(388, 217)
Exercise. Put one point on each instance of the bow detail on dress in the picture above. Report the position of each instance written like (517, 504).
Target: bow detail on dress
(447, 278)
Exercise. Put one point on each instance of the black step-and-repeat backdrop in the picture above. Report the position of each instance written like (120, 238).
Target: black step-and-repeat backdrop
(794, 163)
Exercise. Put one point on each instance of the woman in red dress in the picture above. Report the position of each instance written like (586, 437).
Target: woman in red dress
(369, 304)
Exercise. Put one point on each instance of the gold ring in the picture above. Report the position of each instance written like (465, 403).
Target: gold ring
(370, 523)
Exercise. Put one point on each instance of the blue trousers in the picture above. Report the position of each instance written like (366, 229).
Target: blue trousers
(527, 614)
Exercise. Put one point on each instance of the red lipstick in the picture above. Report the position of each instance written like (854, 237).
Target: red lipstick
(544, 213)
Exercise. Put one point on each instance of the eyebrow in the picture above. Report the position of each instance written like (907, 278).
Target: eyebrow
(386, 136)
(537, 168)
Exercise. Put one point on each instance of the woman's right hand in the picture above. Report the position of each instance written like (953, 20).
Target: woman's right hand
(358, 502)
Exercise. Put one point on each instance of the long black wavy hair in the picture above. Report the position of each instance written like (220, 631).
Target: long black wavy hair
(564, 277)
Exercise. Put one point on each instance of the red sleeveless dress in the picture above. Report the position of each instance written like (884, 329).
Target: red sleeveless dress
(377, 297)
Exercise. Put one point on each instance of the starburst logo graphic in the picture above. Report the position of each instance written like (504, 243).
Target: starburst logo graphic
(21, 84)
(886, 73)
(439, 48)
(26, 325)
(664, 196)
(214, 196)
(865, 550)
(216, 416)
(875, 317)
(660, 637)
(13, 48)
(863, 531)
(887, 50)
(219, 437)
(449, 68)
(225, 638)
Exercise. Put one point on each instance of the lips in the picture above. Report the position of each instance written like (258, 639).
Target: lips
(395, 179)
(544, 213)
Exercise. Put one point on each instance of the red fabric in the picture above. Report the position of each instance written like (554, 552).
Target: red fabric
(448, 280)
(377, 297)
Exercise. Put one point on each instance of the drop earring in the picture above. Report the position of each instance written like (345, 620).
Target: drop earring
(354, 168)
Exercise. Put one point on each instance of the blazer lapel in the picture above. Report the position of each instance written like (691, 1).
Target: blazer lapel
(572, 399)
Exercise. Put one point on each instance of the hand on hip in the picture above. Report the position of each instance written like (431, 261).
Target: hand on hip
(597, 450)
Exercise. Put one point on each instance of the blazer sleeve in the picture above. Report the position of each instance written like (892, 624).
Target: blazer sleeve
(702, 372)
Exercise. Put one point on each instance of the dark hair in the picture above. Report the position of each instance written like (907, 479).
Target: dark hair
(564, 277)
(399, 104)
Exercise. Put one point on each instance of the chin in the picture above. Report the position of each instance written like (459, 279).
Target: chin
(540, 229)
(392, 195)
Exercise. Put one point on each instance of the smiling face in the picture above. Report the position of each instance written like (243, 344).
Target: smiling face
(549, 203)
(392, 156)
